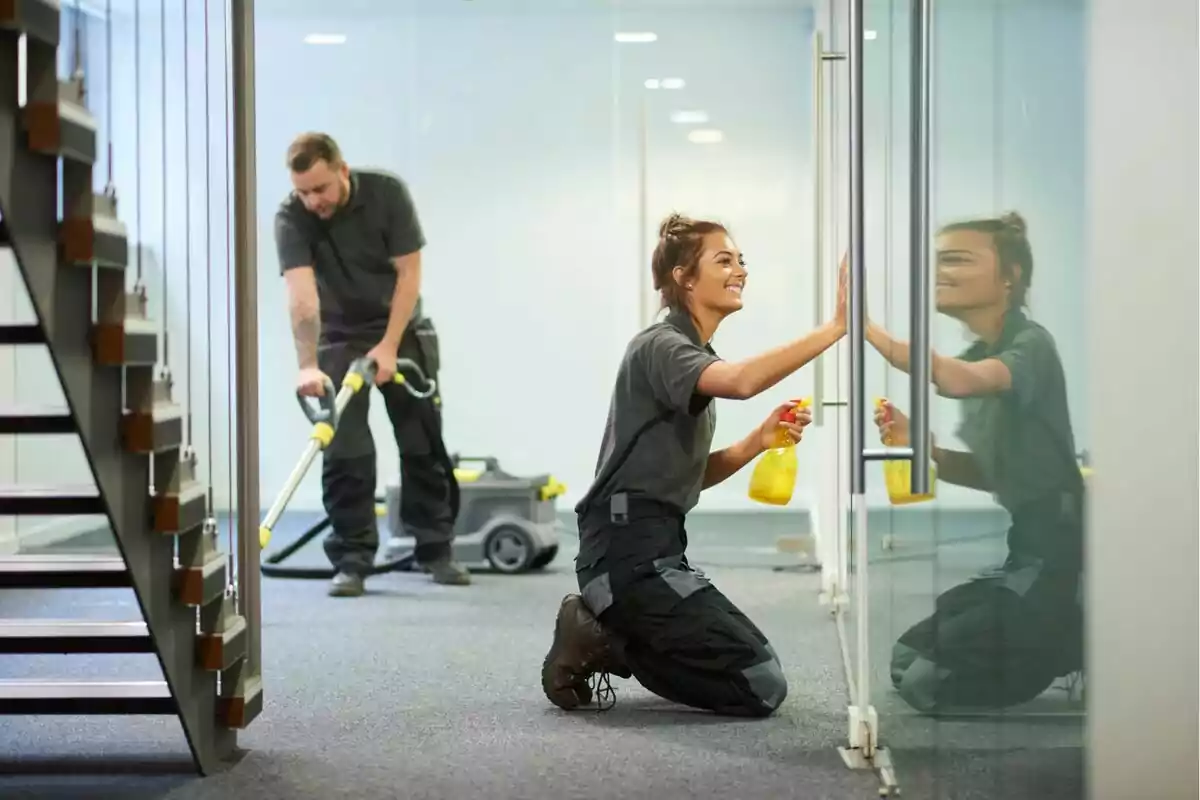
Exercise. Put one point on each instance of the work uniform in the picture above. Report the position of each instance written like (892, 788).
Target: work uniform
(1003, 637)
(352, 257)
(682, 639)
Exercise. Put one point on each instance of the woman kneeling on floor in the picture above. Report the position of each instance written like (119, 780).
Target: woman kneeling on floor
(643, 611)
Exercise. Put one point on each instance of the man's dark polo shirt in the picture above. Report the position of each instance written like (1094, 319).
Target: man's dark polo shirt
(351, 253)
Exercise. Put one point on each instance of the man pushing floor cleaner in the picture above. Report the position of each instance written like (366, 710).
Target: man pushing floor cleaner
(326, 411)
(349, 244)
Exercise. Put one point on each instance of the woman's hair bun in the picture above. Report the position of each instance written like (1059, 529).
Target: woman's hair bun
(1015, 222)
(674, 224)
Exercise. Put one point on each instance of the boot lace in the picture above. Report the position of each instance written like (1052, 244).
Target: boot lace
(603, 691)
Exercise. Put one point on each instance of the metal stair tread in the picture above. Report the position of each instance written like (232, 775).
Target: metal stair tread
(27, 418)
(83, 690)
(103, 223)
(139, 326)
(192, 490)
(30, 410)
(165, 410)
(61, 563)
(56, 628)
(29, 491)
(65, 637)
(70, 111)
(21, 333)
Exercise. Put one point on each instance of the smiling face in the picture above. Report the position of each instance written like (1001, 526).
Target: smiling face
(969, 274)
(720, 276)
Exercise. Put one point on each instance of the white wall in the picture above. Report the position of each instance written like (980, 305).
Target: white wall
(60, 460)
(1142, 553)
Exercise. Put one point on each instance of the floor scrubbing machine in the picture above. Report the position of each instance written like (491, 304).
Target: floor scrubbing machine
(507, 522)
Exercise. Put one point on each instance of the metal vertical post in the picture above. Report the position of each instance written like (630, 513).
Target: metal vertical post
(245, 273)
(818, 209)
(645, 316)
(919, 354)
(857, 299)
(857, 319)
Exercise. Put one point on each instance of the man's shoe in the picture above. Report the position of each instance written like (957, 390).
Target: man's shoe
(448, 572)
(346, 584)
(580, 649)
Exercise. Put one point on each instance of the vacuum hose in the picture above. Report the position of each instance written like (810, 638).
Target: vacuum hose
(324, 413)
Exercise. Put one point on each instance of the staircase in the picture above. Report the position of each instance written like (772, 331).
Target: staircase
(126, 421)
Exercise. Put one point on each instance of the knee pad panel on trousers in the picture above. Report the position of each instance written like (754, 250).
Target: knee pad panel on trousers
(902, 658)
(597, 594)
(921, 683)
(768, 686)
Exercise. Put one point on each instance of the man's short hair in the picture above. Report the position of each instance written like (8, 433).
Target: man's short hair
(309, 148)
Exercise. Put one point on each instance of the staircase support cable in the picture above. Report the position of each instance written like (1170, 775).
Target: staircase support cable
(164, 347)
(230, 381)
(187, 236)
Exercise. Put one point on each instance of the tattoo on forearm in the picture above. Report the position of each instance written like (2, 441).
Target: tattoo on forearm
(305, 329)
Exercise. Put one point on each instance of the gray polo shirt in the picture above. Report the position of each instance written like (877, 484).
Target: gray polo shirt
(351, 253)
(654, 399)
(1022, 439)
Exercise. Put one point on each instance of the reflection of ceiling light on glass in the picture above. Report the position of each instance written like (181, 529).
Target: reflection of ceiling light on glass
(633, 37)
(705, 136)
(665, 83)
(689, 117)
(325, 38)
(870, 35)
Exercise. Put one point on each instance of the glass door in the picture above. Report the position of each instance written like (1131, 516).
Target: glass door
(873, 210)
(975, 619)
(950, 130)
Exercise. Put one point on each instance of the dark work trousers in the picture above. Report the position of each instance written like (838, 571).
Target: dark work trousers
(682, 638)
(1003, 637)
(349, 469)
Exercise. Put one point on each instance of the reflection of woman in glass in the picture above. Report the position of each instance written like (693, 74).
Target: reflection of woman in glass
(1003, 637)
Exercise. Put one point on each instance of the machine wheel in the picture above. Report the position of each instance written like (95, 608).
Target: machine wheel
(544, 558)
(509, 549)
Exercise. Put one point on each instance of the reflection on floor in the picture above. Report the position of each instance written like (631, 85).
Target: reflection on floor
(420, 691)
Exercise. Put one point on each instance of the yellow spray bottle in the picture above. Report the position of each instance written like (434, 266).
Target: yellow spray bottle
(774, 476)
(898, 474)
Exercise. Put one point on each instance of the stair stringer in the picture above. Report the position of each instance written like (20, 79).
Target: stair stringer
(62, 300)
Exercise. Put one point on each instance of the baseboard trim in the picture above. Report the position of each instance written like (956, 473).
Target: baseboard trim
(877, 516)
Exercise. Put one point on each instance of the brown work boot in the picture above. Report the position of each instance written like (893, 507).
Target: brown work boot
(437, 560)
(580, 649)
(448, 572)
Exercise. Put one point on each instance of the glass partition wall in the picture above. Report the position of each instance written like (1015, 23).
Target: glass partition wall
(953, 145)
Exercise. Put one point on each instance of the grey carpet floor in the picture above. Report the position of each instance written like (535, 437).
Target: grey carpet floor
(421, 691)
